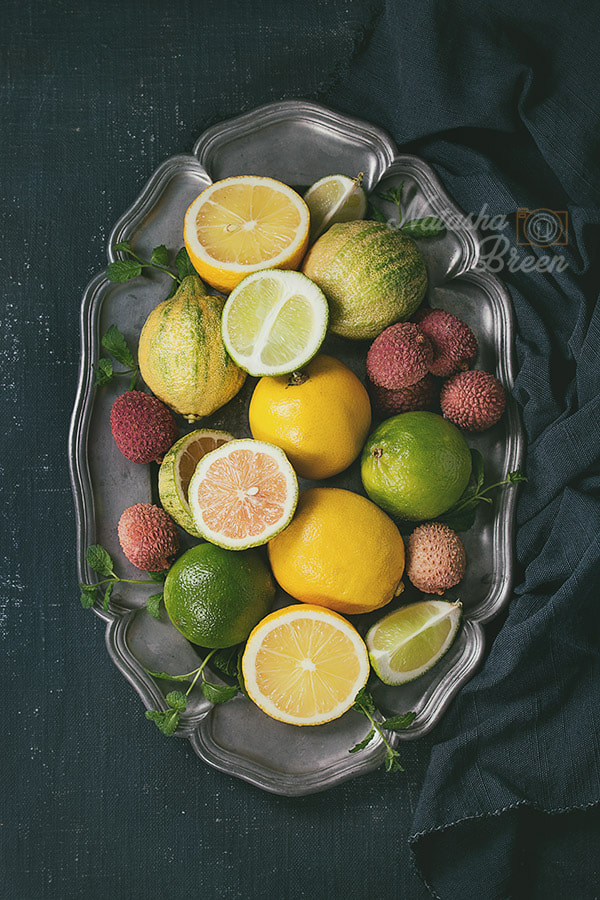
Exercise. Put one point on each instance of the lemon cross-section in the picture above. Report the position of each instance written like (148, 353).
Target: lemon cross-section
(243, 224)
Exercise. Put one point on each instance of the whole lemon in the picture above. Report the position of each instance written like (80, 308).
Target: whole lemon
(320, 417)
(339, 551)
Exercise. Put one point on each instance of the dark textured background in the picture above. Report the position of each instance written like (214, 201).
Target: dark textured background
(96, 803)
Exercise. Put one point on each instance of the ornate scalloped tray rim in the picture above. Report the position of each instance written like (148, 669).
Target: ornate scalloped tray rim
(118, 618)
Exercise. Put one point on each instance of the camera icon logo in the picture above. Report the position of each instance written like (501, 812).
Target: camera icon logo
(542, 227)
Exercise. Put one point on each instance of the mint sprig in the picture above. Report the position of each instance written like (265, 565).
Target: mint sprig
(364, 704)
(123, 270)
(100, 560)
(168, 720)
(427, 227)
(461, 516)
(114, 342)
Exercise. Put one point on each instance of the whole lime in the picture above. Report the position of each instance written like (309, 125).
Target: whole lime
(415, 465)
(215, 597)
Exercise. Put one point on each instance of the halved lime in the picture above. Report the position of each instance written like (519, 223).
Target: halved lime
(177, 468)
(274, 322)
(409, 641)
(335, 198)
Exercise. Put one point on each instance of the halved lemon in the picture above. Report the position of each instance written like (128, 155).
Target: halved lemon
(409, 641)
(177, 468)
(274, 322)
(243, 224)
(335, 198)
(242, 494)
(304, 665)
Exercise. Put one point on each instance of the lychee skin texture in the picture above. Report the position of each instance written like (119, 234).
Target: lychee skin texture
(399, 356)
(435, 558)
(473, 400)
(421, 395)
(142, 426)
(454, 344)
(148, 537)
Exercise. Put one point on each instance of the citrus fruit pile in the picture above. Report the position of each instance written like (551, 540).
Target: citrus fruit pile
(275, 272)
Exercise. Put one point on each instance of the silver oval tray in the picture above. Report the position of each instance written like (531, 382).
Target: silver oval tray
(296, 142)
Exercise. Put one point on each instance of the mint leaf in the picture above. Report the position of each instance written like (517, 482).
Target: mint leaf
(88, 596)
(159, 577)
(240, 674)
(125, 246)
(104, 371)
(477, 472)
(107, 593)
(123, 269)
(160, 256)
(99, 560)
(184, 266)
(515, 477)
(392, 761)
(176, 700)
(153, 605)
(226, 660)
(427, 227)
(166, 722)
(363, 703)
(218, 693)
(399, 723)
(168, 677)
(374, 213)
(362, 744)
(115, 343)
(462, 519)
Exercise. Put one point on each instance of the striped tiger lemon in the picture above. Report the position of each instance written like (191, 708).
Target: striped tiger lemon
(181, 353)
(372, 276)
(243, 224)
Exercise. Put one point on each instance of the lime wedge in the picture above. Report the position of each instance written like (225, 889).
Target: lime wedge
(409, 641)
(335, 198)
(274, 322)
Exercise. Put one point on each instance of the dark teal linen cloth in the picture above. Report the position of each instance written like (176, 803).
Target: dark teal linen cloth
(500, 801)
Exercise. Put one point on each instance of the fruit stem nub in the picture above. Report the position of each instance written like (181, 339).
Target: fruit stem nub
(297, 378)
(378, 452)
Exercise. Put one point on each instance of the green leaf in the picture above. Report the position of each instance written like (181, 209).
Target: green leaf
(107, 594)
(461, 519)
(176, 700)
(88, 596)
(362, 744)
(226, 660)
(123, 270)
(240, 674)
(428, 227)
(218, 693)
(153, 605)
(373, 212)
(184, 266)
(168, 677)
(99, 560)
(115, 343)
(124, 246)
(160, 256)
(477, 471)
(363, 703)
(104, 371)
(516, 477)
(132, 381)
(166, 722)
(392, 761)
(399, 723)
(159, 577)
